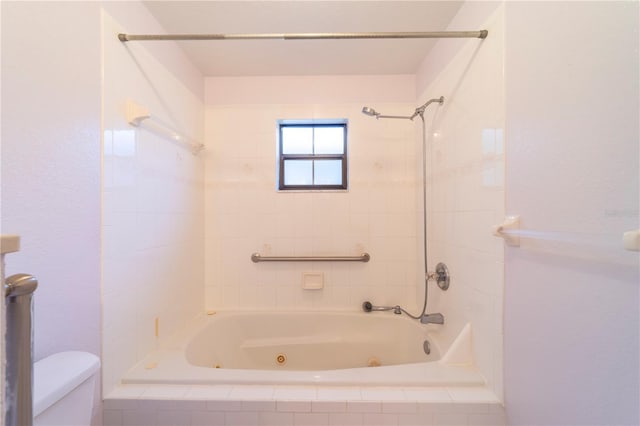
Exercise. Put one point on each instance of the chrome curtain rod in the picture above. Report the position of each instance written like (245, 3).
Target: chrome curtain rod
(304, 36)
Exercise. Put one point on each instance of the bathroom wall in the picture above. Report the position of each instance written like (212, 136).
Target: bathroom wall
(52, 56)
(152, 195)
(571, 311)
(245, 213)
(465, 182)
(51, 165)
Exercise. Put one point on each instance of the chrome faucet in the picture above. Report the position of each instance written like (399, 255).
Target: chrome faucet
(368, 307)
(432, 319)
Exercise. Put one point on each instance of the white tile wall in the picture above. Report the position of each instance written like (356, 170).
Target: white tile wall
(465, 160)
(246, 214)
(153, 210)
(300, 405)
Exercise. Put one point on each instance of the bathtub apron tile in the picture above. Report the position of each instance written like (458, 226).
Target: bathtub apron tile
(172, 418)
(399, 407)
(207, 418)
(224, 406)
(240, 419)
(489, 419)
(276, 419)
(345, 419)
(380, 419)
(112, 417)
(294, 406)
(138, 418)
(328, 406)
(167, 404)
(263, 406)
(311, 419)
(364, 407)
(468, 408)
(450, 419)
(120, 404)
(420, 419)
(437, 407)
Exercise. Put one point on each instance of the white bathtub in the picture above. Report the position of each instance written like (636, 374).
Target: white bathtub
(306, 348)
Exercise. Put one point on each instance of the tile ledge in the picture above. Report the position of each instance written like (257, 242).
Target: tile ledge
(465, 395)
(9, 244)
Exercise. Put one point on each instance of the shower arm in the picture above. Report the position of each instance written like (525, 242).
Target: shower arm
(420, 110)
(401, 117)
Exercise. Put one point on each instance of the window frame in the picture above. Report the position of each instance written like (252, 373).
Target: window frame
(312, 157)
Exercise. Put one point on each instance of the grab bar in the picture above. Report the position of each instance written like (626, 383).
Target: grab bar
(137, 115)
(18, 293)
(511, 232)
(256, 257)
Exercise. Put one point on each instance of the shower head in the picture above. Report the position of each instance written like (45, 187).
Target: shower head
(370, 111)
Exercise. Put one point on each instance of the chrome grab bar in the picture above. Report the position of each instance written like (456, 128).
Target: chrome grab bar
(18, 292)
(256, 257)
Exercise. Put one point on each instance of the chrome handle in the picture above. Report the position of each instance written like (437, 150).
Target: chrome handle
(18, 290)
(20, 285)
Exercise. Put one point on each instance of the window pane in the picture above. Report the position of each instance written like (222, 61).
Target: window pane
(327, 172)
(297, 140)
(298, 172)
(329, 140)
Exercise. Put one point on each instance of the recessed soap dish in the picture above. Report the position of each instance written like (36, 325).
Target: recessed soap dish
(313, 280)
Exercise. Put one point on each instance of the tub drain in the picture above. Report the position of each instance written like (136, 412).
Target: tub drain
(426, 346)
(281, 359)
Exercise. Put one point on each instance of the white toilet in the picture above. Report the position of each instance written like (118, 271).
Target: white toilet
(63, 389)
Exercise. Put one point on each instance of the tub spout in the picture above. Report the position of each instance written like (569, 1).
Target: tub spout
(432, 319)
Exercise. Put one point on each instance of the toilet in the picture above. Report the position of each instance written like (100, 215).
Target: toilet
(63, 389)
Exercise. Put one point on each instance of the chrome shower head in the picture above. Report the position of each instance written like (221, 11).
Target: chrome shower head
(370, 111)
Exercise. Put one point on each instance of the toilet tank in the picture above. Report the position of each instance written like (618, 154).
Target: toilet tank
(63, 389)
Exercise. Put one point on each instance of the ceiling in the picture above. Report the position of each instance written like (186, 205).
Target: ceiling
(304, 57)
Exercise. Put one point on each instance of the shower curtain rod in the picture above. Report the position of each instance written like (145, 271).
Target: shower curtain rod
(305, 36)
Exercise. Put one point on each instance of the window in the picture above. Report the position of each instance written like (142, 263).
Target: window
(312, 155)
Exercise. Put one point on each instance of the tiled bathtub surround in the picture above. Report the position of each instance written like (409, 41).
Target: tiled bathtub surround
(246, 214)
(152, 204)
(465, 160)
(300, 405)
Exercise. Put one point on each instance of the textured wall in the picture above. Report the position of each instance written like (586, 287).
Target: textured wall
(51, 165)
(571, 307)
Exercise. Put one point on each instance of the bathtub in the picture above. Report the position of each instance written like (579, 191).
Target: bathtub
(308, 348)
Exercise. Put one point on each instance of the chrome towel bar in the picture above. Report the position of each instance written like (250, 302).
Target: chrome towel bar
(256, 257)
